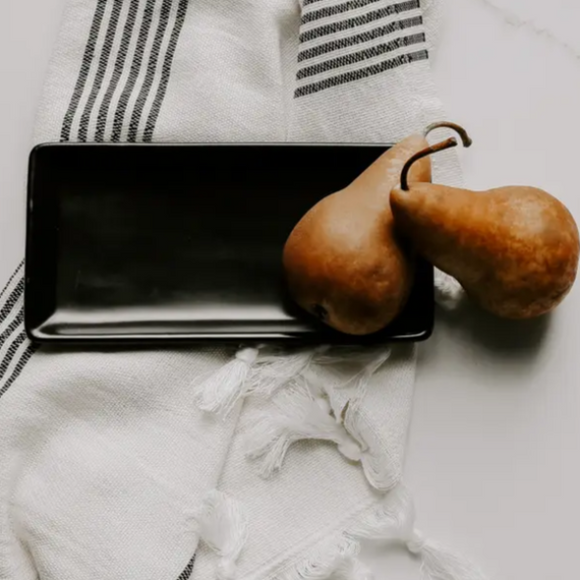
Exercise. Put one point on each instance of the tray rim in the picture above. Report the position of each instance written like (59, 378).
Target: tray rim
(64, 144)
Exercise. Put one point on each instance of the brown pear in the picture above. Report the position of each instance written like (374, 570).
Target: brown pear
(343, 262)
(513, 249)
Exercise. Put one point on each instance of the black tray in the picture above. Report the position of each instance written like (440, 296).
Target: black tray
(132, 243)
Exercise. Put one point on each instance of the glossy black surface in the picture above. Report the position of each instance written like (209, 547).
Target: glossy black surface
(182, 242)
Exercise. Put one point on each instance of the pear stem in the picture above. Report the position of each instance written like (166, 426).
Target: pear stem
(447, 144)
(465, 138)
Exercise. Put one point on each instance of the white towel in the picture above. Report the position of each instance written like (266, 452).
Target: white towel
(108, 468)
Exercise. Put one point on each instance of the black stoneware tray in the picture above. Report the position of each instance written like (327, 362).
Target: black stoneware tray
(163, 242)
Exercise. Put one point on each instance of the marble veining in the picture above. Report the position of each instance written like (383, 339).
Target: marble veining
(510, 17)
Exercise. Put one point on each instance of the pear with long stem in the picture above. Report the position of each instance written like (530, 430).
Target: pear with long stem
(513, 249)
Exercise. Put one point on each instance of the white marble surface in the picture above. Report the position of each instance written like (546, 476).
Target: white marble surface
(494, 454)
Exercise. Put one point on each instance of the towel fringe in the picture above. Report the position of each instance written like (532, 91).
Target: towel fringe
(255, 371)
(339, 562)
(220, 391)
(376, 463)
(351, 414)
(299, 414)
(276, 369)
(394, 521)
(391, 521)
(305, 411)
(222, 526)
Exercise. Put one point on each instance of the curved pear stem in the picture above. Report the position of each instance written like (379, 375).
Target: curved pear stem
(465, 138)
(447, 144)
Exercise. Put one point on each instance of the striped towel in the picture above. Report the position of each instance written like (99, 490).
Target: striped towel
(108, 468)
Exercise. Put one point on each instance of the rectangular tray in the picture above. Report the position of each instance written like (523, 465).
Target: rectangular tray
(157, 242)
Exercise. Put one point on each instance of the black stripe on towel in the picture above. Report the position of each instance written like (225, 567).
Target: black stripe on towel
(361, 73)
(12, 300)
(13, 326)
(134, 72)
(359, 20)
(335, 9)
(359, 38)
(14, 274)
(84, 72)
(11, 353)
(26, 356)
(101, 70)
(362, 55)
(117, 72)
(166, 71)
(186, 574)
(151, 69)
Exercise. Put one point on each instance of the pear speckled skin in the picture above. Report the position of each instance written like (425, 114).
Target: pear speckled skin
(343, 262)
(513, 249)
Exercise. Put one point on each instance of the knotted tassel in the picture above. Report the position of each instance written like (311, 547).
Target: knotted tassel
(220, 392)
(222, 526)
(299, 414)
(394, 521)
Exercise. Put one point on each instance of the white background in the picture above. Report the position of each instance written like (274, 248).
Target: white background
(494, 453)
